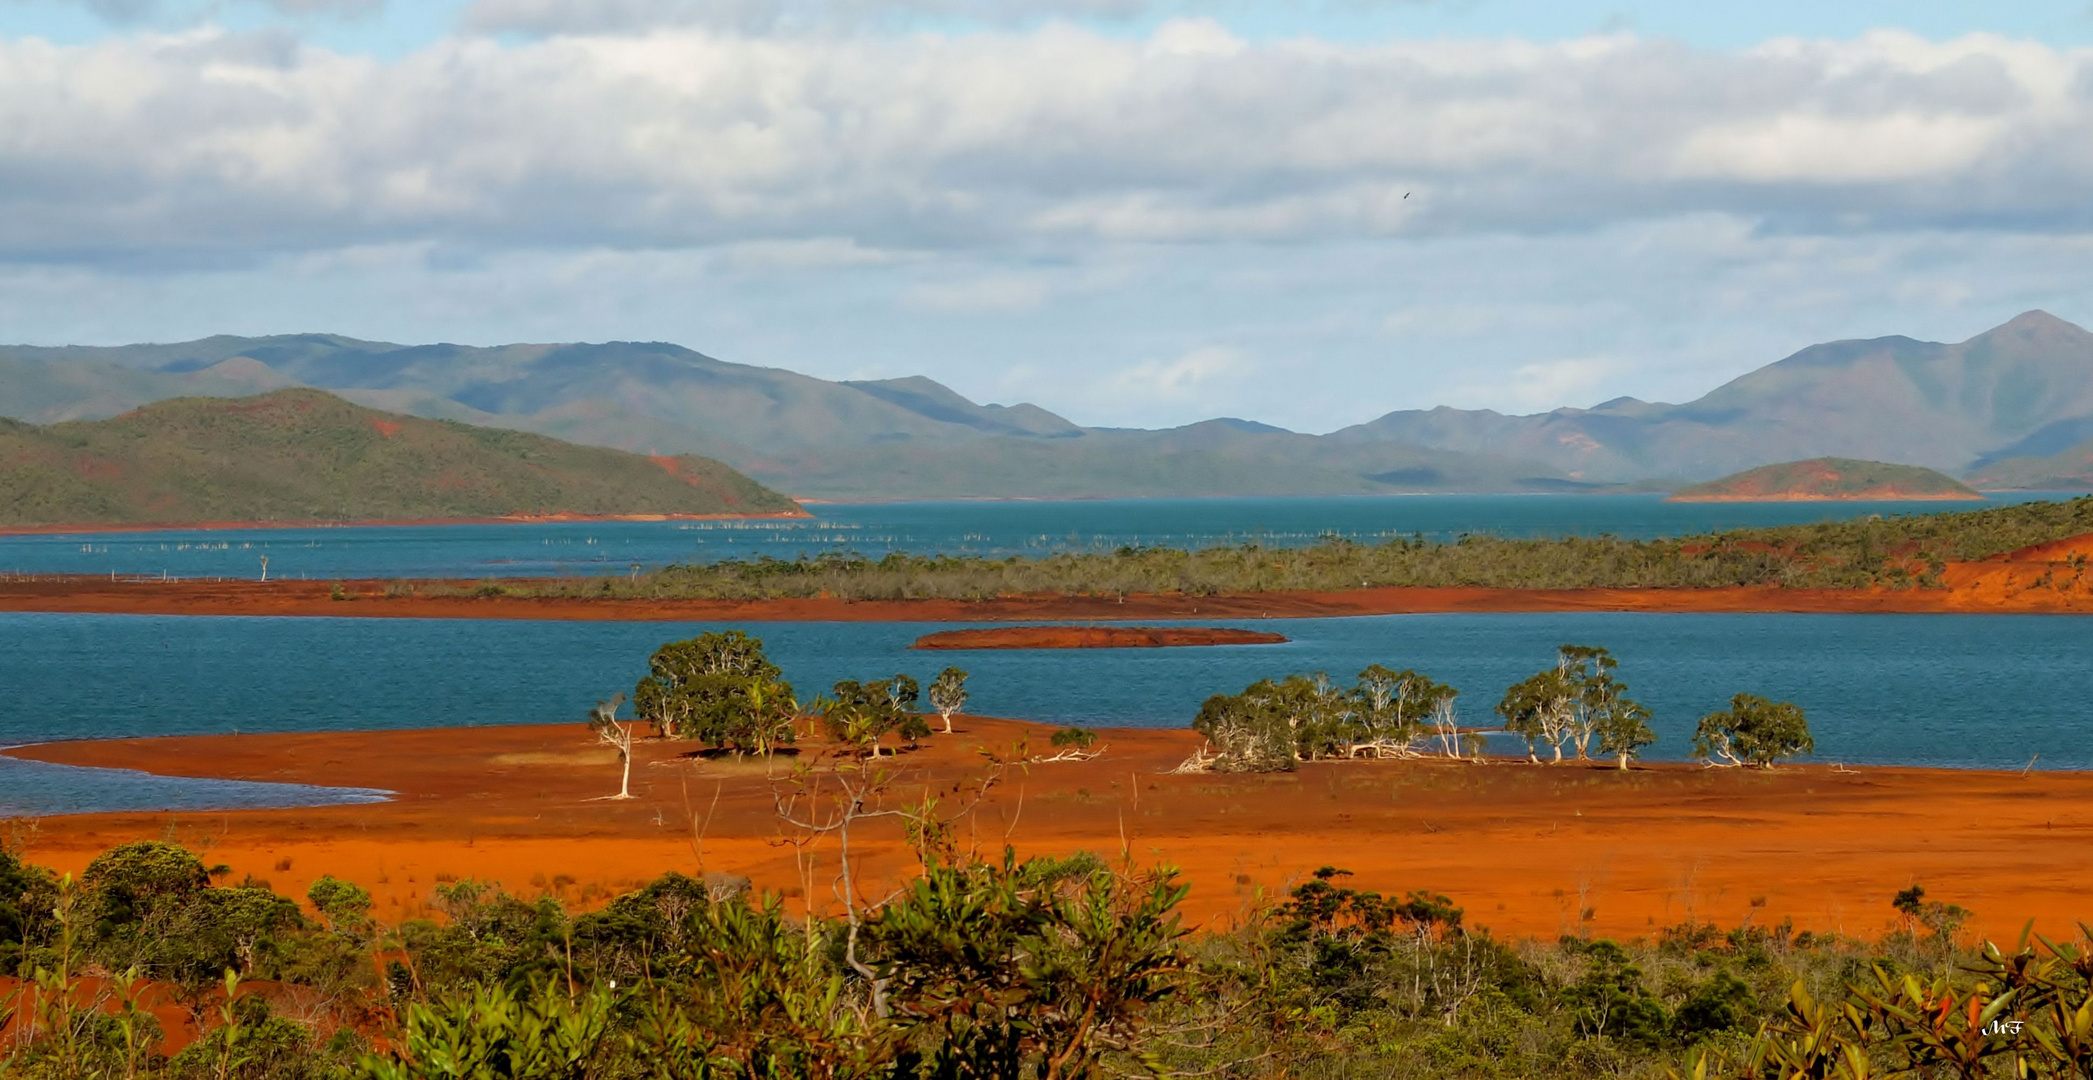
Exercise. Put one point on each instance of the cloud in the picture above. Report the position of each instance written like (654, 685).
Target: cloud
(1547, 384)
(131, 11)
(996, 293)
(768, 16)
(173, 149)
(1186, 378)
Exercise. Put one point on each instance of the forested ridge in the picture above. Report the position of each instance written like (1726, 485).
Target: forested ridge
(304, 455)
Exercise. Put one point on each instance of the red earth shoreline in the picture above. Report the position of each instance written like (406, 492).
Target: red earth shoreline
(1992, 588)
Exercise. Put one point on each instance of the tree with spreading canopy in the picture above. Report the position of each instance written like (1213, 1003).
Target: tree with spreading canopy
(720, 689)
(1254, 731)
(1274, 724)
(1396, 709)
(1540, 708)
(1577, 700)
(865, 712)
(1753, 732)
(1621, 723)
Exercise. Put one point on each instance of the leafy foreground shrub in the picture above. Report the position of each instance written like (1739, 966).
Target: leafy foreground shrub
(1005, 969)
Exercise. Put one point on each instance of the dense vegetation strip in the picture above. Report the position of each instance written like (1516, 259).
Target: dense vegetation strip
(1901, 551)
(995, 968)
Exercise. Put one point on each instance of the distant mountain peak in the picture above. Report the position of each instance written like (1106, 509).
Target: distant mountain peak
(2039, 325)
(2036, 317)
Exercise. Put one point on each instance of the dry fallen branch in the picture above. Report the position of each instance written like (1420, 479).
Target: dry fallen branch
(1070, 754)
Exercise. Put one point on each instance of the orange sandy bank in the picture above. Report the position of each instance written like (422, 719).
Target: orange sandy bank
(511, 519)
(1527, 849)
(1094, 637)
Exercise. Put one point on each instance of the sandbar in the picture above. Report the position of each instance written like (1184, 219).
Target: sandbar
(1095, 637)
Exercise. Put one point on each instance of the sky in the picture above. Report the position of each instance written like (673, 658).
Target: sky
(1132, 212)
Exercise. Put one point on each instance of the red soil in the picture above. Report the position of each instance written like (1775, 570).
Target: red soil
(1093, 637)
(1528, 850)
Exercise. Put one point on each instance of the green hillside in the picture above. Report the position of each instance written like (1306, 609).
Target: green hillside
(1828, 479)
(305, 455)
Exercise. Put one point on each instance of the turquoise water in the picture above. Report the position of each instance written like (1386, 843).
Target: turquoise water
(1946, 690)
(972, 528)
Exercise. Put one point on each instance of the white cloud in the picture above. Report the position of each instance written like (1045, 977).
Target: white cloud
(211, 145)
(1189, 377)
(815, 253)
(130, 11)
(991, 294)
(1545, 385)
(764, 16)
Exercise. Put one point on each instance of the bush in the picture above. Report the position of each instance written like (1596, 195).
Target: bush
(1753, 732)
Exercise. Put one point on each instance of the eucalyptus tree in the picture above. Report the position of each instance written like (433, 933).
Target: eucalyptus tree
(868, 711)
(1621, 724)
(1753, 732)
(1398, 707)
(1624, 729)
(1253, 731)
(718, 688)
(1589, 671)
(603, 720)
(948, 694)
(1541, 708)
(1577, 700)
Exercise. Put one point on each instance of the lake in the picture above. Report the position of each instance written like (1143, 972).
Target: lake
(1944, 690)
(955, 528)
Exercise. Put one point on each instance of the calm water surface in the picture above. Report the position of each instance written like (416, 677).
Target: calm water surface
(1949, 690)
(959, 528)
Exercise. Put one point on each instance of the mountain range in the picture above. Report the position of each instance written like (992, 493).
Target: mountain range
(2010, 407)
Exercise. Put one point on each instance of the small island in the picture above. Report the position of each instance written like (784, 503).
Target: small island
(1829, 479)
(1094, 637)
